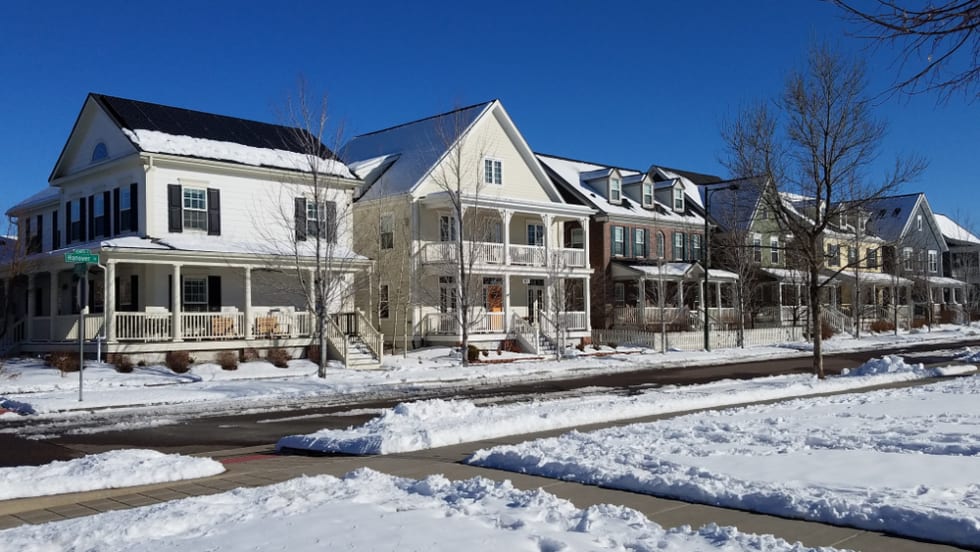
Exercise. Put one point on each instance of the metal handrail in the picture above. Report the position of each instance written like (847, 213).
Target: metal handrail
(373, 338)
(336, 337)
(526, 334)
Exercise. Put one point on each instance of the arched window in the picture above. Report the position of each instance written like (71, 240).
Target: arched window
(100, 152)
(660, 245)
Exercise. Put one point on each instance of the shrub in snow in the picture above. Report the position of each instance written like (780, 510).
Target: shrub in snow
(179, 361)
(123, 364)
(228, 360)
(881, 326)
(826, 330)
(472, 353)
(278, 357)
(65, 362)
(250, 354)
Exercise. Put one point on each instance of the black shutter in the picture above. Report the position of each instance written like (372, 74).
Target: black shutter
(81, 217)
(134, 209)
(170, 292)
(67, 222)
(174, 206)
(40, 233)
(134, 292)
(115, 212)
(214, 293)
(214, 212)
(91, 217)
(106, 219)
(330, 228)
(300, 219)
(55, 238)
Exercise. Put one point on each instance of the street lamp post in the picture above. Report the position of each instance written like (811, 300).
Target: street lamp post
(706, 257)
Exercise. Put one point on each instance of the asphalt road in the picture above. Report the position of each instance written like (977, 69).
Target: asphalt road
(214, 433)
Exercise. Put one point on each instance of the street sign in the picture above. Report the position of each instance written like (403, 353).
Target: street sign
(81, 256)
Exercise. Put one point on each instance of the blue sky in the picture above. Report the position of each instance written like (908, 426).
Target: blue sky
(625, 83)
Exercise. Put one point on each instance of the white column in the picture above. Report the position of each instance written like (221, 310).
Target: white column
(680, 294)
(718, 294)
(249, 330)
(505, 222)
(175, 293)
(641, 300)
(779, 296)
(584, 221)
(588, 303)
(311, 291)
(110, 301)
(547, 239)
(506, 299)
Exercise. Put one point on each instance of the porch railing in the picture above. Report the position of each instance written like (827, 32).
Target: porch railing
(550, 331)
(212, 325)
(567, 257)
(370, 335)
(446, 323)
(337, 338)
(526, 334)
(143, 326)
(527, 255)
(573, 320)
(837, 320)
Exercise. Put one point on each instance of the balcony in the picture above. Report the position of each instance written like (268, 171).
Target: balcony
(490, 253)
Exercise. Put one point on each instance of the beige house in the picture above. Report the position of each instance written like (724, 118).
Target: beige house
(465, 187)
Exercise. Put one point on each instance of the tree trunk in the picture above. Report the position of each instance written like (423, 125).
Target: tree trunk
(816, 326)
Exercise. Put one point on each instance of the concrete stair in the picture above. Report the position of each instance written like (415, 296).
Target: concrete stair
(359, 355)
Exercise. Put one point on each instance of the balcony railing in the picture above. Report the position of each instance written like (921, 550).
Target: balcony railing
(491, 253)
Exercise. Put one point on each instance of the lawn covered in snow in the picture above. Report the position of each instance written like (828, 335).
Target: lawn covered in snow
(367, 510)
(904, 461)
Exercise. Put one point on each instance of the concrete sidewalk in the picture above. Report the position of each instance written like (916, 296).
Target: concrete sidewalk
(260, 466)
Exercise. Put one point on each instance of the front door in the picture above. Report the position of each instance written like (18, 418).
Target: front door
(535, 298)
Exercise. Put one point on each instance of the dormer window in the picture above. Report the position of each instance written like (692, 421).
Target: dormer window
(648, 194)
(493, 171)
(99, 152)
(678, 199)
(615, 190)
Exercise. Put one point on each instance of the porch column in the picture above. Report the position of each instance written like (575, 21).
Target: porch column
(718, 295)
(547, 239)
(505, 219)
(29, 317)
(680, 294)
(588, 304)
(584, 223)
(53, 285)
(779, 296)
(178, 333)
(109, 303)
(641, 299)
(249, 331)
(506, 296)
(701, 296)
(547, 295)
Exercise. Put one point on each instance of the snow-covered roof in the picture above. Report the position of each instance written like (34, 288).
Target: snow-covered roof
(691, 189)
(670, 271)
(418, 145)
(788, 275)
(944, 281)
(874, 278)
(953, 231)
(571, 174)
(48, 195)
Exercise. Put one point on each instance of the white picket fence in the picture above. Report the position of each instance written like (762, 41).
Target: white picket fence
(692, 341)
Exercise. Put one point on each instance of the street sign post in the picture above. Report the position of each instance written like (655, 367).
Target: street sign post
(81, 258)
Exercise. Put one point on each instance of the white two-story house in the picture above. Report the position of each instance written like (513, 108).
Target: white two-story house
(524, 247)
(205, 229)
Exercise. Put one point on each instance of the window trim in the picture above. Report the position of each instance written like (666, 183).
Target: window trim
(203, 280)
(615, 186)
(871, 258)
(618, 241)
(679, 246)
(933, 261)
(619, 294)
(678, 198)
(386, 231)
(448, 228)
(644, 194)
(757, 249)
(661, 245)
(195, 211)
(384, 302)
(640, 245)
(774, 250)
(493, 169)
(907, 258)
(697, 244)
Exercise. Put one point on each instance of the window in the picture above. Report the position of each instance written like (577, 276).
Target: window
(615, 190)
(383, 301)
(196, 294)
(852, 255)
(933, 261)
(387, 232)
(639, 242)
(678, 199)
(99, 152)
(98, 211)
(661, 239)
(577, 238)
(619, 294)
(493, 294)
(679, 246)
(907, 258)
(648, 194)
(833, 254)
(696, 252)
(196, 209)
(618, 241)
(918, 222)
(763, 213)
(757, 249)
(125, 209)
(76, 220)
(872, 258)
(774, 251)
(448, 230)
(535, 234)
(447, 294)
(493, 171)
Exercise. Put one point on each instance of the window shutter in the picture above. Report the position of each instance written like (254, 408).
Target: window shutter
(115, 213)
(175, 214)
(331, 221)
(214, 293)
(214, 212)
(82, 216)
(115, 295)
(612, 241)
(107, 224)
(134, 209)
(134, 288)
(91, 217)
(40, 233)
(67, 222)
(55, 238)
(300, 219)
(170, 292)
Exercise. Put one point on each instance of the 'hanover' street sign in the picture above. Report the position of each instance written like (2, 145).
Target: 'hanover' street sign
(81, 256)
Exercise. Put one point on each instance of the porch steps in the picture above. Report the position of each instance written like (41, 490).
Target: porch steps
(359, 355)
(545, 346)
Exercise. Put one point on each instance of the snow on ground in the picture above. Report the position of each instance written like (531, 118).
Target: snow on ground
(367, 510)
(904, 461)
(42, 390)
(108, 470)
(435, 423)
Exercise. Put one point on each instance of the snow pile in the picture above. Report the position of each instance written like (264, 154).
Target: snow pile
(437, 423)
(890, 364)
(109, 470)
(903, 461)
(160, 142)
(367, 510)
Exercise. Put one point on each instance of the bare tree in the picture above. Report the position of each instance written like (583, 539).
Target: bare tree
(815, 144)
(14, 265)
(939, 43)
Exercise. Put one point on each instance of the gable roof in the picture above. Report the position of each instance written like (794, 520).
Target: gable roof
(157, 128)
(952, 231)
(697, 178)
(891, 216)
(413, 148)
(734, 210)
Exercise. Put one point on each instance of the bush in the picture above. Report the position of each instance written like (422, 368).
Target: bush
(179, 361)
(228, 360)
(313, 353)
(485, 352)
(141, 363)
(65, 362)
(612, 344)
(580, 347)
(279, 357)
(881, 326)
(123, 364)
(472, 353)
(826, 330)
(249, 354)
